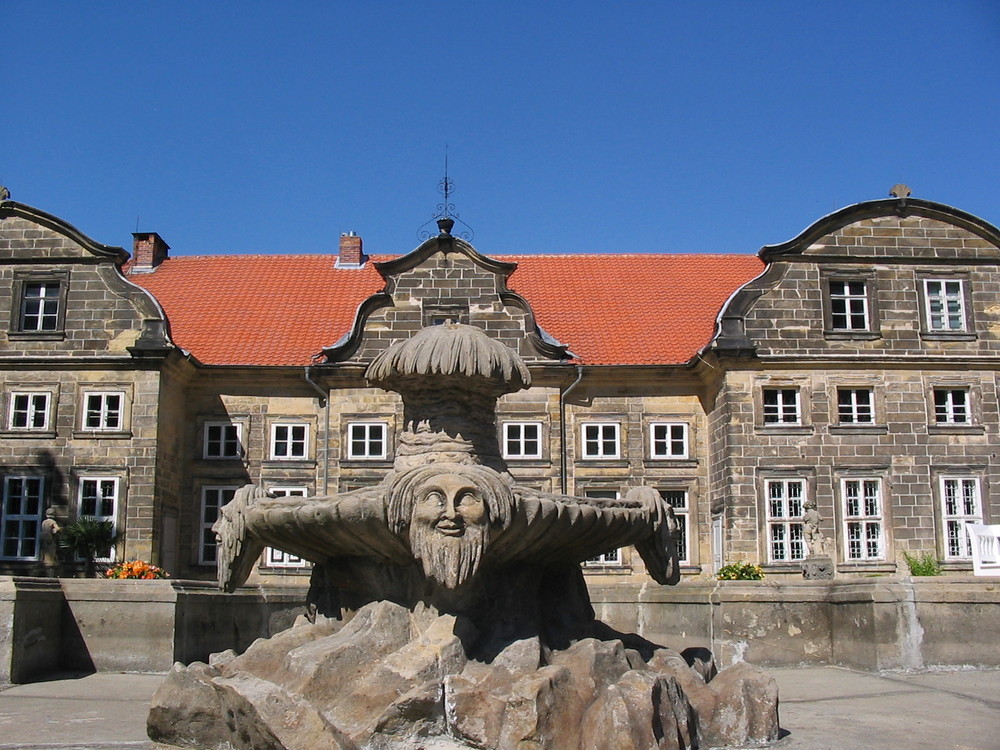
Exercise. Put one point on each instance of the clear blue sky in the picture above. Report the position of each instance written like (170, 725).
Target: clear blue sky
(571, 126)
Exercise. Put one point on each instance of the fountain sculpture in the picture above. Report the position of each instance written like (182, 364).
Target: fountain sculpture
(447, 607)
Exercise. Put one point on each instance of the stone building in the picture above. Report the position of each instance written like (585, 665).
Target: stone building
(854, 366)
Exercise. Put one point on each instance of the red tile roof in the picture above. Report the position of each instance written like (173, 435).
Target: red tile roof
(609, 309)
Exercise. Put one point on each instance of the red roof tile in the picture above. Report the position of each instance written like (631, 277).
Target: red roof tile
(609, 309)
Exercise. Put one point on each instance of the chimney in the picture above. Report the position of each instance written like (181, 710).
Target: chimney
(148, 251)
(351, 253)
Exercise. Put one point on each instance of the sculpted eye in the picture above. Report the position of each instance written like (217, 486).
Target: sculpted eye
(468, 498)
(434, 497)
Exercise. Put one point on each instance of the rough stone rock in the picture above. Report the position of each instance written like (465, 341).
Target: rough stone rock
(186, 709)
(746, 710)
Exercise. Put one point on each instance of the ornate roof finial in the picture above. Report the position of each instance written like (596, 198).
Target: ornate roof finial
(900, 191)
(445, 216)
(4, 193)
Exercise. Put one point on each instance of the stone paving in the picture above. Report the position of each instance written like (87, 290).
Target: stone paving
(822, 708)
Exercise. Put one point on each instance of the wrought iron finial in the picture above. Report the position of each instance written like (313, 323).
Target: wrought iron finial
(446, 215)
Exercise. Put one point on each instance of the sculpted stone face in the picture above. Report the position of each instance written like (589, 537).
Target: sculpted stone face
(448, 504)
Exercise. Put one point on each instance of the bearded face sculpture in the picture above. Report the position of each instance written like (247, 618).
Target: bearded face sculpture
(449, 513)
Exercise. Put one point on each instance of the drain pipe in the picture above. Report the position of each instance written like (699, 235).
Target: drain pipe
(324, 402)
(562, 427)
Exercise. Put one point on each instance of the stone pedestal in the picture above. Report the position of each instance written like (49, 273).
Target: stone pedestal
(818, 567)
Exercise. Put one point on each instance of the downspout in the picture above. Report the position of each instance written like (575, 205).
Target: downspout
(325, 403)
(562, 428)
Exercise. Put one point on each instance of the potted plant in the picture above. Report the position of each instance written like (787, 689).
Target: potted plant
(89, 539)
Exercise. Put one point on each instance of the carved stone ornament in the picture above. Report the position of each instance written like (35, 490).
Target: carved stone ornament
(447, 605)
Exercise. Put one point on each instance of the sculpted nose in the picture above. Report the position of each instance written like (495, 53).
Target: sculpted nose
(450, 511)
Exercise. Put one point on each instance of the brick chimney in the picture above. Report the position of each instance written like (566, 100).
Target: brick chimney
(148, 251)
(351, 253)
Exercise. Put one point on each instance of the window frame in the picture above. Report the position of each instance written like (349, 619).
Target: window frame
(864, 520)
(366, 440)
(669, 440)
(612, 558)
(956, 520)
(779, 408)
(929, 315)
(22, 519)
(103, 394)
(950, 409)
(600, 441)
(832, 299)
(683, 515)
(276, 559)
(13, 394)
(206, 537)
(290, 441)
(101, 480)
(223, 441)
(25, 279)
(792, 539)
(506, 439)
(854, 406)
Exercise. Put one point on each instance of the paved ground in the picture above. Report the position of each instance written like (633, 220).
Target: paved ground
(822, 708)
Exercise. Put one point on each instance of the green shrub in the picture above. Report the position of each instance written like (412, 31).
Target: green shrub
(740, 571)
(89, 539)
(924, 565)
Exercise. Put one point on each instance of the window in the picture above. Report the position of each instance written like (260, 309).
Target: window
(863, 519)
(785, 535)
(103, 411)
(855, 406)
(781, 406)
(668, 440)
(522, 440)
(944, 301)
(600, 440)
(367, 440)
(276, 558)
(951, 406)
(22, 517)
(678, 500)
(289, 441)
(960, 504)
(848, 306)
(611, 557)
(99, 499)
(40, 306)
(222, 440)
(212, 501)
(29, 411)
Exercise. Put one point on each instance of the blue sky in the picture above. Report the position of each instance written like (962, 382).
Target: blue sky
(571, 126)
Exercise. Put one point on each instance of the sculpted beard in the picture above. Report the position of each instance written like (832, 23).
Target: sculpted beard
(449, 560)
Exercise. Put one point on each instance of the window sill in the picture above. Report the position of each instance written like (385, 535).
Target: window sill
(536, 461)
(603, 460)
(837, 335)
(607, 570)
(364, 463)
(102, 434)
(36, 335)
(948, 336)
(288, 463)
(785, 429)
(18, 434)
(956, 429)
(680, 463)
(870, 429)
(871, 566)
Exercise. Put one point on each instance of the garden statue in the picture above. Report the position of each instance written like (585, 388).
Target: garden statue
(50, 531)
(817, 564)
(447, 604)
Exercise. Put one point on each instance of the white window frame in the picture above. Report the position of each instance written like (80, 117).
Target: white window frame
(48, 306)
(961, 503)
(787, 409)
(106, 488)
(944, 307)
(854, 409)
(294, 445)
(951, 410)
(514, 435)
(21, 524)
(784, 506)
(365, 440)
(223, 440)
(595, 438)
(213, 499)
(864, 519)
(672, 444)
(32, 409)
(276, 558)
(853, 305)
(682, 512)
(611, 558)
(103, 413)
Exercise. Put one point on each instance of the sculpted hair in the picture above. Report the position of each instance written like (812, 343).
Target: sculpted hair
(496, 493)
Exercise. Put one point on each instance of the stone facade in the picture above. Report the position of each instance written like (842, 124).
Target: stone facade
(859, 370)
